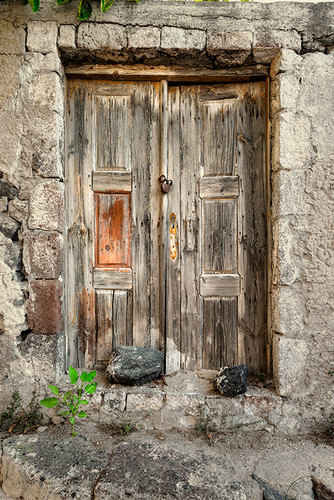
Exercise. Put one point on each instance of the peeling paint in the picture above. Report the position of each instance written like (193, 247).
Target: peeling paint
(174, 244)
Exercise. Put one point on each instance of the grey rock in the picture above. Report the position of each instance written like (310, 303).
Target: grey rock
(134, 365)
(232, 381)
(7, 190)
(9, 227)
(269, 493)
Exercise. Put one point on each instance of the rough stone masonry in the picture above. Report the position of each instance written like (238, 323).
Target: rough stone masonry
(297, 41)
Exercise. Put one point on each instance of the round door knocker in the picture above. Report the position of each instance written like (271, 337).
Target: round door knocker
(165, 184)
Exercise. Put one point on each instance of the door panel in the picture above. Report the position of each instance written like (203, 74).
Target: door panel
(183, 271)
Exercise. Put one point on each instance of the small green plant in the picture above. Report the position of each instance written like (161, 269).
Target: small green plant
(69, 403)
(125, 427)
(16, 419)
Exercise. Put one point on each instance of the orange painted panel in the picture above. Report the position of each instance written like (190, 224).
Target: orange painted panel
(113, 230)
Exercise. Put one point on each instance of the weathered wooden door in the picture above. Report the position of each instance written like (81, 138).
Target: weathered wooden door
(183, 271)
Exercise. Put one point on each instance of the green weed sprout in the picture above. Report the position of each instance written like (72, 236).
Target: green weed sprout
(70, 402)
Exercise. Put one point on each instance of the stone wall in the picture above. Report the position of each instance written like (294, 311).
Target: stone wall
(296, 40)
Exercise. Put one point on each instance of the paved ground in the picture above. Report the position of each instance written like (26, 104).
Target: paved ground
(100, 464)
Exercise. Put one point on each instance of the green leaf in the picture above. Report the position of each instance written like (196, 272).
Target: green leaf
(73, 374)
(90, 388)
(34, 4)
(64, 413)
(72, 420)
(106, 4)
(84, 10)
(83, 401)
(49, 402)
(54, 389)
(61, 2)
(84, 376)
(82, 414)
(91, 376)
(67, 396)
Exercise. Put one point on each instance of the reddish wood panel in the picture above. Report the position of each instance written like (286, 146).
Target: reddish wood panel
(113, 230)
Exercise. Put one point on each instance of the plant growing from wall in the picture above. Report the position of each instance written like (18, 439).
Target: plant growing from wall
(17, 419)
(69, 403)
(85, 8)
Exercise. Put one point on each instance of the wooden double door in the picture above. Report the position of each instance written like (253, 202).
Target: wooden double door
(183, 271)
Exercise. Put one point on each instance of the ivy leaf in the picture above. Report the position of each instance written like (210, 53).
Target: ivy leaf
(61, 2)
(73, 374)
(84, 10)
(82, 414)
(90, 388)
(106, 4)
(49, 402)
(54, 389)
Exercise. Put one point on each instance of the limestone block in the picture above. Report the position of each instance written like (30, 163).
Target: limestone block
(287, 266)
(288, 310)
(66, 38)
(42, 36)
(39, 62)
(46, 206)
(95, 37)
(43, 255)
(44, 306)
(3, 204)
(286, 61)
(290, 365)
(292, 147)
(288, 193)
(18, 209)
(45, 93)
(230, 48)
(174, 40)
(9, 77)
(144, 37)
(10, 144)
(284, 93)
(144, 402)
(266, 44)
(12, 40)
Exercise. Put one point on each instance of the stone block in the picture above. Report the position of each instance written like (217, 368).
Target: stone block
(46, 206)
(42, 36)
(290, 365)
(292, 146)
(287, 266)
(230, 48)
(174, 40)
(12, 40)
(286, 61)
(288, 193)
(284, 93)
(9, 227)
(9, 77)
(266, 44)
(288, 310)
(66, 38)
(10, 144)
(44, 306)
(45, 93)
(43, 255)
(96, 37)
(3, 204)
(143, 37)
(38, 62)
(18, 209)
(131, 365)
(144, 402)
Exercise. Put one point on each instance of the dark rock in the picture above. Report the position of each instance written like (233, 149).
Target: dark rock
(269, 493)
(232, 381)
(321, 491)
(13, 256)
(8, 190)
(134, 365)
(9, 227)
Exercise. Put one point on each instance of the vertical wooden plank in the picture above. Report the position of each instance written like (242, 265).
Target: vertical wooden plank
(252, 227)
(104, 325)
(220, 236)
(141, 215)
(120, 318)
(191, 341)
(172, 235)
(219, 332)
(218, 136)
(80, 297)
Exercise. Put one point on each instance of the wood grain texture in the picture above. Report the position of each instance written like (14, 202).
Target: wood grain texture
(219, 285)
(219, 187)
(110, 279)
(220, 332)
(112, 182)
(79, 248)
(218, 119)
(113, 130)
(252, 227)
(113, 230)
(220, 236)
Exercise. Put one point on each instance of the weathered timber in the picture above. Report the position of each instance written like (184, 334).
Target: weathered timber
(219, 285)
(110, 279)
(220, 186)
(112, 182)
